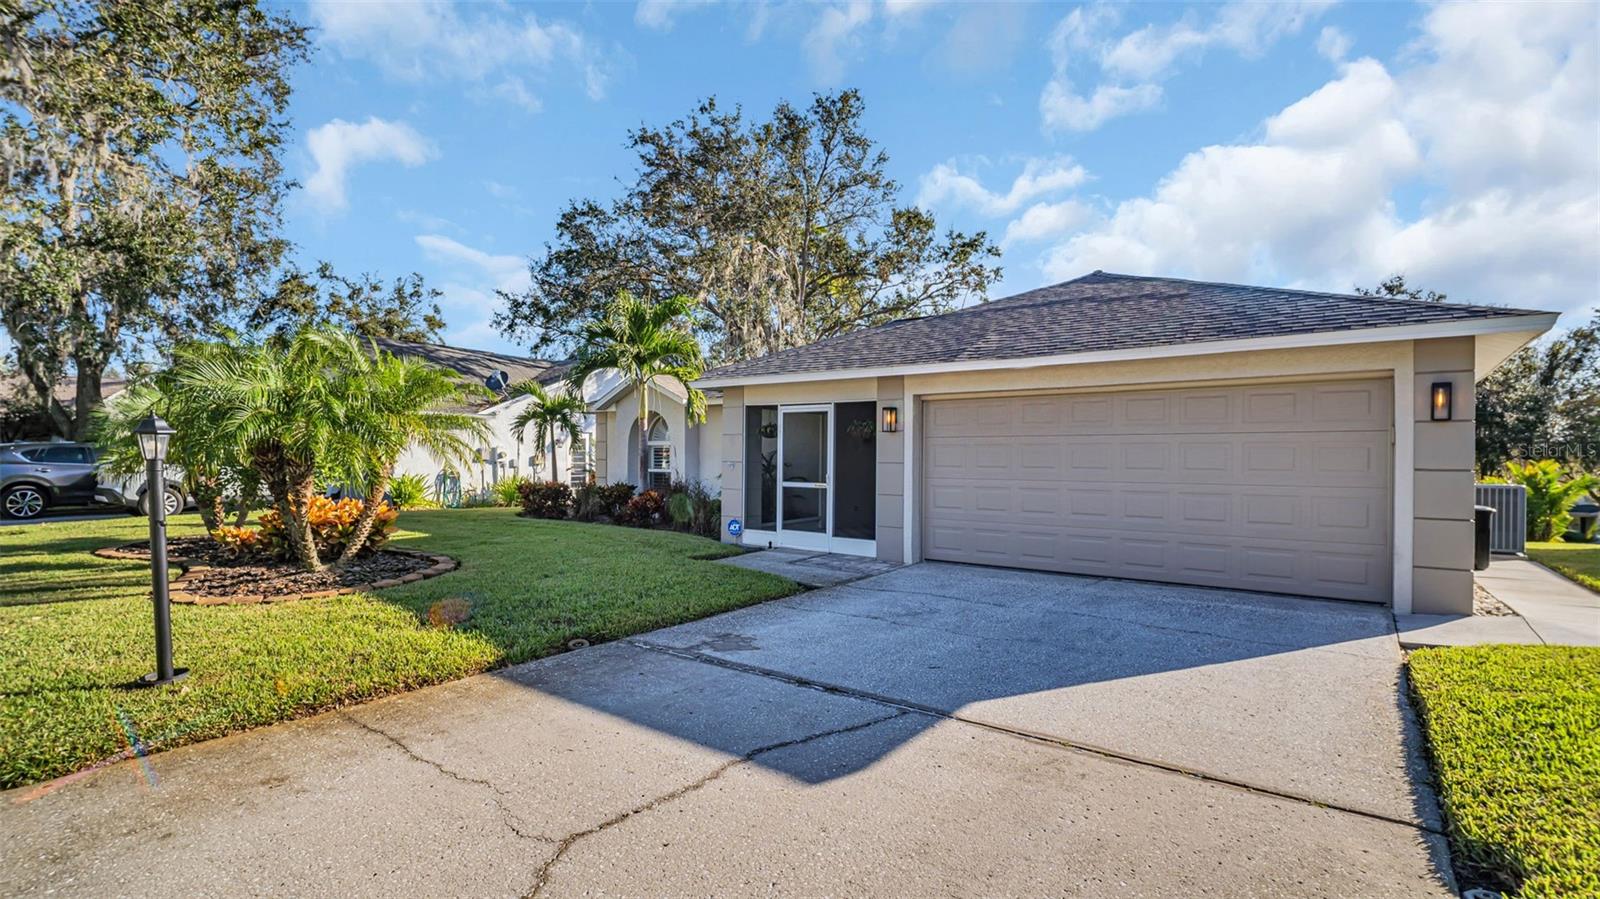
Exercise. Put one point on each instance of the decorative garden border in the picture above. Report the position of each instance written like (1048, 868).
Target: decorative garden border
(441, 565)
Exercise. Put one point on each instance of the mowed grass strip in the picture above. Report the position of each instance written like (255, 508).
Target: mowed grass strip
(1579, 562)
(1515, 744)
(75, 628)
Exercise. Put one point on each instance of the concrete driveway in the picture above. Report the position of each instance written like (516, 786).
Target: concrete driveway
(936, 730)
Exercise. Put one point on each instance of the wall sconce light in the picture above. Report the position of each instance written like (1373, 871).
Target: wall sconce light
(1442, 400)
(891, 419)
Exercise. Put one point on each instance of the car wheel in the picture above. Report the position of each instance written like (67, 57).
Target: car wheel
(23, 502)
(174, 502)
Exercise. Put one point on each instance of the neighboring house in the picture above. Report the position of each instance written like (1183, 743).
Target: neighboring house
(1150, 428)
(22, 419)
(506, 453)
(679, 450)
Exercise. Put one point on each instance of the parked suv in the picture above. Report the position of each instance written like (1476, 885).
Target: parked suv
(38, 476)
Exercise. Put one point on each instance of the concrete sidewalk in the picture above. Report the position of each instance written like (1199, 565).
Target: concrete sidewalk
(1558, 610)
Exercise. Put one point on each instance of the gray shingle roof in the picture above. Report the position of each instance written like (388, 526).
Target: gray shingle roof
(477, 365)
(1104, 311)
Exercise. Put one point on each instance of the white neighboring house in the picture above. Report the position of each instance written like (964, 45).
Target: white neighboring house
(679, 450)
(506, 453)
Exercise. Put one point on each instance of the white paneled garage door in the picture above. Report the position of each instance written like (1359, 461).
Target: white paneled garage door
(1281, 487)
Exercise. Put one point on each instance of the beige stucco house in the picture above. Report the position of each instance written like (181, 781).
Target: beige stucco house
(1287, 441)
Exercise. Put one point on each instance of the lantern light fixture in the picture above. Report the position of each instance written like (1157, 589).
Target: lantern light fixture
(891, 419)
(1442, 401)
(154, 435)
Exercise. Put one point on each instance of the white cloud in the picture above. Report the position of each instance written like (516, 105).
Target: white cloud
(515, 91)
(660, 15)
(1062, 108)
(946, 185)
(1333, 44)
(433, 38)
(905, 8)
(1043, 221)
(339, 146)
(497, 271)
(833, 35)
(1129, 69)
(1493, 118)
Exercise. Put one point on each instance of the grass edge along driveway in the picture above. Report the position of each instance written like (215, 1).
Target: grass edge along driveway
(1577, 562)
(1512, 737)
(77, 627)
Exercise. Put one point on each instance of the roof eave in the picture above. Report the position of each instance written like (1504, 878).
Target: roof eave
(1532, 324)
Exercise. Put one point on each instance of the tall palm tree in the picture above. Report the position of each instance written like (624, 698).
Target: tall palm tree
(644, 342)
(287, 407)
(549, 413)
(400, 402)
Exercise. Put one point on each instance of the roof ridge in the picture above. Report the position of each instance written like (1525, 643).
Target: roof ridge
(1310, 293)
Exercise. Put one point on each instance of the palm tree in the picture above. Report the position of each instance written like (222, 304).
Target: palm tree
(1550, 498)
(549, 413)
(199, 452)
(286, 407)
(644, 342)
(400, 402)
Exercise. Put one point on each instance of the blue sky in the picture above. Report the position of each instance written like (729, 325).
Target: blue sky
(1308, 144)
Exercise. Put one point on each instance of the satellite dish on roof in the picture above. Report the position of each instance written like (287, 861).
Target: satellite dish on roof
(497, 381)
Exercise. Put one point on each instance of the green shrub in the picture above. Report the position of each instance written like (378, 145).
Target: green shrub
(1551, 494)
(508, 491)
(693, 507)
(646, 510)
(545, 499)
(681, 509)
(586, 504)
(409, 491)
(613, 498)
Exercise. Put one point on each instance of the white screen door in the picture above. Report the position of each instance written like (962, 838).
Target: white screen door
(805, 468)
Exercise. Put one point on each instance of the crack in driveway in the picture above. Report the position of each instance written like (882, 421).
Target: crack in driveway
(512, 821)
(570, 840)
(907, 705)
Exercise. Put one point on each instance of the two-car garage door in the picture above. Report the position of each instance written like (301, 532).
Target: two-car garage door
(1281, 487)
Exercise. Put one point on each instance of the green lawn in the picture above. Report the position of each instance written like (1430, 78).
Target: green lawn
(1578, 561)
(75, 627)
(1513, 737)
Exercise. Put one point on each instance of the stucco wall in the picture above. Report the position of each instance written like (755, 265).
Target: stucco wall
(732, 453)
(1444, 458)
(505, 454)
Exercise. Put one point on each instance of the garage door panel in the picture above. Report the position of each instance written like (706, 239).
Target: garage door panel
(1331, 515)
(1345, 405)
(1314, 459)
(1153, 484)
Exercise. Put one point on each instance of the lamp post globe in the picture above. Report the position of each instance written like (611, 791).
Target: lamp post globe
(154, 435)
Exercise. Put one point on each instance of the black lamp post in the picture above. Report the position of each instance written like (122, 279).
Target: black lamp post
(154, 434)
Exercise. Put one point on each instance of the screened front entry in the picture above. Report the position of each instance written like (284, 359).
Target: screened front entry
(811, 477)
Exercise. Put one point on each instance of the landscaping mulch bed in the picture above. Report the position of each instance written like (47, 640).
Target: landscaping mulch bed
(211, 576)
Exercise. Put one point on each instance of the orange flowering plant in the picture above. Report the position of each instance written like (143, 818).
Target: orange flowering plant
(333, 522)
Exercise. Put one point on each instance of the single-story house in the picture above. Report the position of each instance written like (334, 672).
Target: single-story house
(1288, 441)
(506, 453)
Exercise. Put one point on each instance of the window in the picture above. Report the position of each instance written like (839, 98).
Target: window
(578, 474)
(659, 448)
(73, 455)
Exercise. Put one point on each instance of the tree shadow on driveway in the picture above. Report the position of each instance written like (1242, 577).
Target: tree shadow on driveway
(1291, 696)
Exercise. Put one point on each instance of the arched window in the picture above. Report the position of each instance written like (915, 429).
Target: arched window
(659, 446)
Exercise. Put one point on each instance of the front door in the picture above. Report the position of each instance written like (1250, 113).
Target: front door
(805, 468)
(811, 474)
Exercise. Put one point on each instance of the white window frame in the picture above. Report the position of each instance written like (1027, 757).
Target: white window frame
(651, 449)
